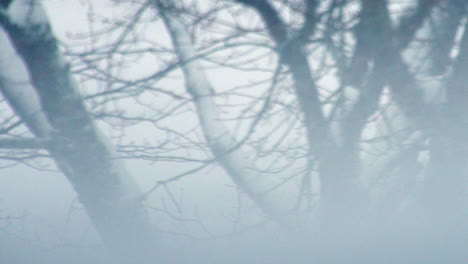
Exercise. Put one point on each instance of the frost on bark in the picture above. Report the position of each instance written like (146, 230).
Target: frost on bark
(49, 102)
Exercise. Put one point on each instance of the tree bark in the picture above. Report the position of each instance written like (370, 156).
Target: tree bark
(109, 193)
(224, 147)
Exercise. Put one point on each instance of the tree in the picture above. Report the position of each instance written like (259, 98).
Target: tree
(53, 110)
(369, 87)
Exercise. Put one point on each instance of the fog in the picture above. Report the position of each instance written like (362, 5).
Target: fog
(233, 131)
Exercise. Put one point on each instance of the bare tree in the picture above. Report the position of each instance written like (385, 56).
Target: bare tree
(375, 64)
(45, 96)
(348, 98)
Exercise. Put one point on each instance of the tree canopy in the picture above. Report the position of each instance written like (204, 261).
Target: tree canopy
(342, 120)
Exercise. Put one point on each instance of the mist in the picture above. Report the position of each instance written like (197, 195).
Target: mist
(233, 131)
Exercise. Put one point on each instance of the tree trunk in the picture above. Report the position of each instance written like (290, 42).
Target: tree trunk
(110, 195)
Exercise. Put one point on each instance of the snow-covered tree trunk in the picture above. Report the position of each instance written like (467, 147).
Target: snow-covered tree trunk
(55, 112)
(226, 149)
